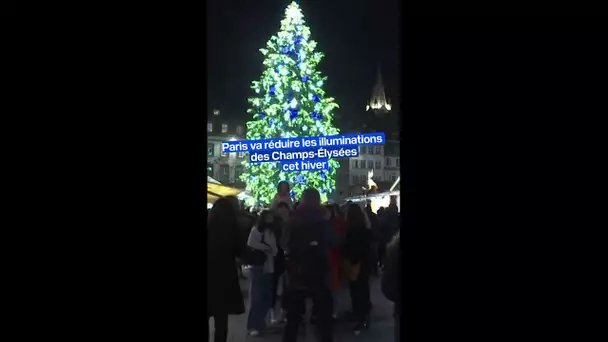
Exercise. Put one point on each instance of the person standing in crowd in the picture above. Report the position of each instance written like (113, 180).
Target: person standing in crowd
(375, 237)
(261, 238)
(392, 220)
(308, 266)
(383, 237)
(245, 223)
(282, 213)
(391, 280)
(224, 245)
(357, 252)
(337, 223)
(282, 196)
(327, 215)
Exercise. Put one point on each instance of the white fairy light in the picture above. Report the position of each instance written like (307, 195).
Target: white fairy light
(294, 13)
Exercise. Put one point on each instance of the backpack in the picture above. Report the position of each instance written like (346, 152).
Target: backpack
(308, 256)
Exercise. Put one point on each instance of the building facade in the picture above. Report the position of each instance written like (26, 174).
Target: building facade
(225, 167)
(382, 160)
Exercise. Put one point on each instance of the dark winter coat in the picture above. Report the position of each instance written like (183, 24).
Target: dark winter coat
(390, 225)
(391, 279)
(224, 294)
(303, 218)
(246, 223)
(357, 248)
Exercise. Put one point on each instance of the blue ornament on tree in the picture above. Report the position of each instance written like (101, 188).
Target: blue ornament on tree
(305, 79)
(315, 98)
(293, 113)
(285, 50)
(300, 179)
(322, 190)
(299, 39)
(272, 91)
(271, 122)
(293, 193)
(262, 115)
(322, 175)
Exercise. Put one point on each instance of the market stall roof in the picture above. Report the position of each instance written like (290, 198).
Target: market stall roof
(219, 190)
(212, 180)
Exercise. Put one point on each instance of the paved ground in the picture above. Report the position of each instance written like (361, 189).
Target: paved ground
(381, 330)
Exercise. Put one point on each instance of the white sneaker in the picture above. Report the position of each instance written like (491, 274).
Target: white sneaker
(273, 319)
(254, 333)
(281, 316)
(277, 319)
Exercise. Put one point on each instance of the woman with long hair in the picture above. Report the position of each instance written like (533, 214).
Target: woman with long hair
(262, 238)
(357, 252)
(224, 245)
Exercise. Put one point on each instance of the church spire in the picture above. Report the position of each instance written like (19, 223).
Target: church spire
(378, 101)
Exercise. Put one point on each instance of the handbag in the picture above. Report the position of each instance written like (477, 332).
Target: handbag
(256, 257)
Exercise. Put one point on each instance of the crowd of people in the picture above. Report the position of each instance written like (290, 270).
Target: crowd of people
(309, 250)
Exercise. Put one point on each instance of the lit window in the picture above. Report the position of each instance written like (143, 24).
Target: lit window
(223, 154)
(239, 130)
(209, 127)
(210, 150)
(224, 128)
(241, 154)
(209, 170)
(216, 112)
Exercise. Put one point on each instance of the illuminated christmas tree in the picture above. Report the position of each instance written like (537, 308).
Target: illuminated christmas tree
(290, 102)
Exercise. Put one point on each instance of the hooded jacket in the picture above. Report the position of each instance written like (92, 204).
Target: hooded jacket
(310, 217)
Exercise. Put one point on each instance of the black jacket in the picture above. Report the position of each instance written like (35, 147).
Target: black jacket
(224, 296)
(302, 221)
(391, 279)
(357, 248)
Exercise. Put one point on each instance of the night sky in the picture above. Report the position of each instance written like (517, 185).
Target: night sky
(8, 8)
(355, 36)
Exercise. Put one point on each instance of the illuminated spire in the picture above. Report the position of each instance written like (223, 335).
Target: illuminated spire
(378, 101)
